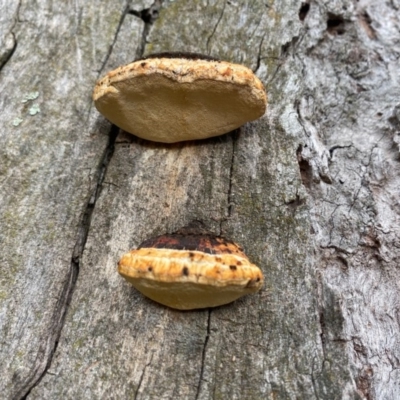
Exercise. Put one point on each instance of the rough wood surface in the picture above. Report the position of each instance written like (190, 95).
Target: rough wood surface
(310, 191)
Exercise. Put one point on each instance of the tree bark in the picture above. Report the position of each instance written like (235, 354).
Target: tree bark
(310, 191)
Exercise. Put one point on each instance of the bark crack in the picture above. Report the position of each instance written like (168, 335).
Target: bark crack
(230, 202)
(332, 224)
(323, 333)
(336, 147)
(148, 15)
(141, 377)
(293, 44)
(203, 355)
(10, 42)
(313, 381)
(110, 49)
(259, 54)
(364, 175)
(48, 349)
(231, 172)
(321, 316)
(10, 46)
(215, 29)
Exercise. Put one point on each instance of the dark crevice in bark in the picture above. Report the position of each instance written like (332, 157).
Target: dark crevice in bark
(6, 56)
(259, 55)
(203, 355)
(305, 168)
(49, 348)
(279, 63)
(288, 49)
(332, 226)
(110, 49)
(296, 202)
(65, 298)
(321, 316)
(304, 9)
(299, 116)
(86, 220)
(230, 202)
(322, 334)
(215, 28)
(364, 178)
(335, 24)
(8, 52)
(141, 378)
(235, 136)
(148, 16)
(333, 148)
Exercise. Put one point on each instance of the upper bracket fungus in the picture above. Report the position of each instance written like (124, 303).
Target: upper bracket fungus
(189, 271)
(173, 97)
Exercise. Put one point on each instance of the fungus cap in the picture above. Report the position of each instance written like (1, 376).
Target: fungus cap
(189, 272)
(176, 97)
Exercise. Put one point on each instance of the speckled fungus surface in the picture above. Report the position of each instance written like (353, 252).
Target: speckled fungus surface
(173, 97)
(190, 271)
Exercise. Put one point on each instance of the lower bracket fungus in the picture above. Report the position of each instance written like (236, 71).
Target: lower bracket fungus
(173, 97)
(190, 271)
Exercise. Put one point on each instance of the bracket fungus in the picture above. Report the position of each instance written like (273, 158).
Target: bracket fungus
(190, 271)
(173, 97)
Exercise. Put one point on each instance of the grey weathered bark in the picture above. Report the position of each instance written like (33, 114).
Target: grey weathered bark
(310, 190)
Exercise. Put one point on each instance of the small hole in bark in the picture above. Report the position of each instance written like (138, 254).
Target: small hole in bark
(344, 263)
(305, 172)
(335, 24)
(305, 168)
(148, 15)
(304, 9)
(295, 202)
(285, 48)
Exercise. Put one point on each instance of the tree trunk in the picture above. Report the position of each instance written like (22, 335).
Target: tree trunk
(310, 191)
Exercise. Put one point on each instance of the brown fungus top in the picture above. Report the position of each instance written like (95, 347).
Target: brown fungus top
(190, 271)
(183, 96)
